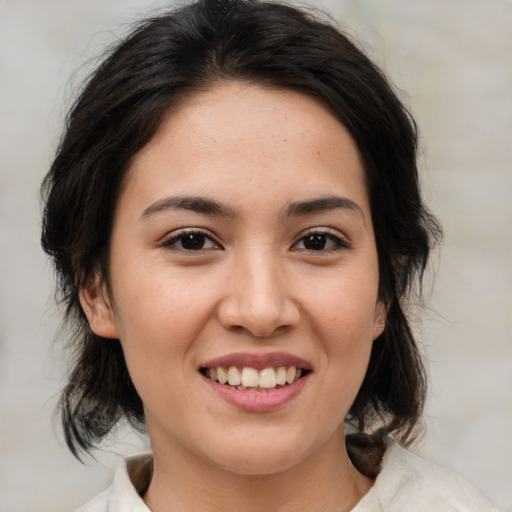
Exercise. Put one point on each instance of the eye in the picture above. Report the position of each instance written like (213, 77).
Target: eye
(318, 241)
(190, 241)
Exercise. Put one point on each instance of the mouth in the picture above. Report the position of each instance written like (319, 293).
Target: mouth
(248, 378)
(256, 372)
(257, 383)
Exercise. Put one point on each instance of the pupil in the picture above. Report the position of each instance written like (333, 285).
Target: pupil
(193, 241)
(315, 242)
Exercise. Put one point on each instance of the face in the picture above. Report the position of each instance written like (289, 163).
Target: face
(243, 249)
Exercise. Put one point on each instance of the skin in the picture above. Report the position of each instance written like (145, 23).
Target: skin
(255, 285)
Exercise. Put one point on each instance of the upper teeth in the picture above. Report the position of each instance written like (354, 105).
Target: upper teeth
(252, 378)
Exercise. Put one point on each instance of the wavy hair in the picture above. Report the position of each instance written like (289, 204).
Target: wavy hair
(172, 56)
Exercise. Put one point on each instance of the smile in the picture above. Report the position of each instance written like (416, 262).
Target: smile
(251, 379)
(257, 382)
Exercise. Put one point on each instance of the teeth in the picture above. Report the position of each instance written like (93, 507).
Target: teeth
(234, 378)
(267, 378)
(281, 376)
(290, 374)
(250, 379)
(222, 376)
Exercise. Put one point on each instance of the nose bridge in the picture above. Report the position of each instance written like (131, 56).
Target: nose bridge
(264, 293)
(258, 298)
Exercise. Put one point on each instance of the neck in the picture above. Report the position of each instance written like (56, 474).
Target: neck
(323, 482)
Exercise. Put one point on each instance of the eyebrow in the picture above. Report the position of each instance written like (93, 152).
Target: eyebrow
(197, 204)
(323, 204)
(209, 206)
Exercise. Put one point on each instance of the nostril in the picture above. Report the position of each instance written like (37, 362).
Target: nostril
(236, 328)
(262, 309)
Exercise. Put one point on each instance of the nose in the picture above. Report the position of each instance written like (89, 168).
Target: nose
(258, 299)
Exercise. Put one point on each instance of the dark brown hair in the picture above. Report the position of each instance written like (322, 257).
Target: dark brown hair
(120, 108)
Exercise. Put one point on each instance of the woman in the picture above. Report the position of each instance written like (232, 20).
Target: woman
(236, 222)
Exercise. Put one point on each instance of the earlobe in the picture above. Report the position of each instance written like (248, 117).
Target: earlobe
(98, 309)
(379, 319)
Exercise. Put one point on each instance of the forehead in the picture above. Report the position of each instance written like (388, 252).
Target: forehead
(237, 138)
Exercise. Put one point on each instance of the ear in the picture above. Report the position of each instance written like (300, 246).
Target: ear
(379, 319)
(98, 308)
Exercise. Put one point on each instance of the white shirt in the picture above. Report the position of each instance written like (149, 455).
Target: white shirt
(406, 483)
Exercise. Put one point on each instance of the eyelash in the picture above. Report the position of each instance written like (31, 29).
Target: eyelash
(170, 243)
(338, 244)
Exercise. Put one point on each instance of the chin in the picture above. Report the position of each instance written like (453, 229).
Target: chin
(270, 455)
(254, 463)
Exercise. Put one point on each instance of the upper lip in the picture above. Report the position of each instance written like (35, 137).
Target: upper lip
(258, 361)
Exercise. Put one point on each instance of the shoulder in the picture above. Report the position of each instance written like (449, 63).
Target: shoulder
(406, 479)
(124, 493)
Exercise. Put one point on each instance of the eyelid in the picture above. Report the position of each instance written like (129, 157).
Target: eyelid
(340, 239)
(170, 238)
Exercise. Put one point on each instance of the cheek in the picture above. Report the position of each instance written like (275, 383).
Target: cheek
(159, 320)
(157, 298)
(344, 307)
(160, 314)
(343, 323)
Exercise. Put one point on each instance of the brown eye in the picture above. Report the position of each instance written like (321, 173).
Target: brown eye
(320, 241)
(192, 241)
(315, 242)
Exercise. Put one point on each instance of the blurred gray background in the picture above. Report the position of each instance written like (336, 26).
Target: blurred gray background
(452, 60)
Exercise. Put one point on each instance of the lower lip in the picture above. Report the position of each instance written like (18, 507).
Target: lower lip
(257, 401)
